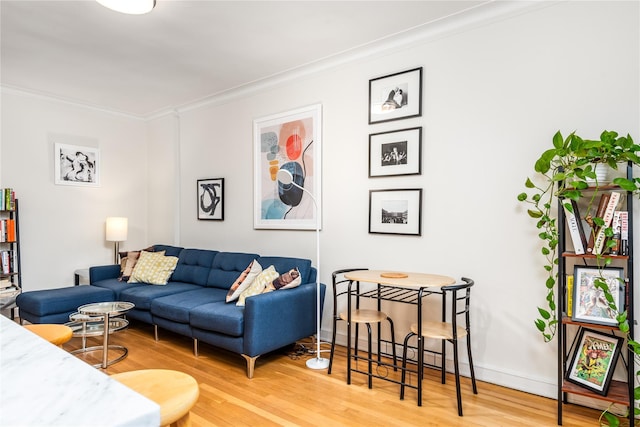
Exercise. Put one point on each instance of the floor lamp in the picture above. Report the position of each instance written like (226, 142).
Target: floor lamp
(116, 231)
(286, 178)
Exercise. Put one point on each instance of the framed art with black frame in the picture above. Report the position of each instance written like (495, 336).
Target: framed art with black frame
(394, 153)
(211, 199)
(589, 302)
(397, 211)
(395, 96)
(594, 360)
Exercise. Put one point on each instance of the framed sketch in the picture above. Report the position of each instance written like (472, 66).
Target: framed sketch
(589, 302)
(76, 165)
(396, 96)
(594, 360)
(395, 153)
(395, 211)
(290, 141)
(211, 199)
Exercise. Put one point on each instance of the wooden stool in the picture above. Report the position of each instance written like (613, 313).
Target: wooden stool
(175, 392)
(55, 334)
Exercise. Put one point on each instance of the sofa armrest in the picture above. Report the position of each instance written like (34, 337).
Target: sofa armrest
(279, 318)
(103, 272)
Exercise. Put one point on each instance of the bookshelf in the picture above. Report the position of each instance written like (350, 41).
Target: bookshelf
(621, 388)
(10, 273)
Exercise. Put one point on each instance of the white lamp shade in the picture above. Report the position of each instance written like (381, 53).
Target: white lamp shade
(116, 229)
(131, 7)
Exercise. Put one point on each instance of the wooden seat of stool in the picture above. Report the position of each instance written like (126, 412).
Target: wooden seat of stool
(175, 392)
(55, 334)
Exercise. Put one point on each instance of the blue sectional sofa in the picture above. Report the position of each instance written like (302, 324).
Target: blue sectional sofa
(192, 303)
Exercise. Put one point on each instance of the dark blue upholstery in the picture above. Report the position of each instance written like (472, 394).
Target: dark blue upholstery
(192, 303)
(194, 266)
(227, 267)
(177, 307)
(55, 305)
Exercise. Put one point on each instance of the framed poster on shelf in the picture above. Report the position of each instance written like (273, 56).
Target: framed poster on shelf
(395, 96)
(397, 211)
(589, 302)
(594, 360)
(395, 153)
(211, 199)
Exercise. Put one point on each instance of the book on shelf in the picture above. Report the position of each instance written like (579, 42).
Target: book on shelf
(607, 218)
(570, 295)
(5, 282)
(616, 225)
(7, 199)
(624, 233)
(602, 206)
(576, 230)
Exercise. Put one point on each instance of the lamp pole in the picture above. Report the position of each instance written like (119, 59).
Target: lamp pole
(286, 178)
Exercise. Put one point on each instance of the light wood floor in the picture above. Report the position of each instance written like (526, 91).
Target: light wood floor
(284, 392)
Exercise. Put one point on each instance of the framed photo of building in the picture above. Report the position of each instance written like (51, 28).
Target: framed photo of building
(395, 211)
(76, 165)
(211, 199)
(292, 141)
(395, 96)
(594, 360)
(395, 153)
(589, 302)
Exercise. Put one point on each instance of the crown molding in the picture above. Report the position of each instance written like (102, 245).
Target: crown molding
(473, 17)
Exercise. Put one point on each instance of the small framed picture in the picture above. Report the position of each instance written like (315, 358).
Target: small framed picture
(395, 211)
(395, 96)
(77, 165)
(395, 153)
(211, 199)
(594, 360)
(589, 302)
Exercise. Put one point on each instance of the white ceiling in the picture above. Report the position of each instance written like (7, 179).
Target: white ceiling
(186, 51)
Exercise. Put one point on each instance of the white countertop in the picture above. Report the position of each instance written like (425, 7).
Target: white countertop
(43, 385)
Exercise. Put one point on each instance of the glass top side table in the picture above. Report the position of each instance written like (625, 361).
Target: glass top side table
(106, 310)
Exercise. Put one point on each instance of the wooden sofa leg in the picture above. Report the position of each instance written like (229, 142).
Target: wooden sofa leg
(195, 347)
(251, 364)
(155, 332)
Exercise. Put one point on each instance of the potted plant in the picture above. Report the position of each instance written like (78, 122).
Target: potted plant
(564, 172)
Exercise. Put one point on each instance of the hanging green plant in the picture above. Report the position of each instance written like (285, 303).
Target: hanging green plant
(564, 172)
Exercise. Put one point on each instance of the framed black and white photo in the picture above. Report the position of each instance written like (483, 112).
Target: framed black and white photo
(76, 165)
(589, 302)
(211, 199)
(594, 360)
(395, 96)
(395, 153)
(395, 211)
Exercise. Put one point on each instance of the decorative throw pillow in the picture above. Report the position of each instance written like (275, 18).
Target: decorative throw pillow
(128, 262)
(244, 280)
(288, 280)
(153, 268)
(258, 285)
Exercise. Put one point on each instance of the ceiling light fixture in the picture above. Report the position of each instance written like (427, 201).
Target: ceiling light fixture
(131, 7)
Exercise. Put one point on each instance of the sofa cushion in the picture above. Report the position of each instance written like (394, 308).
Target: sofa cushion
(218, 317)
(62, 301)
(244, 280)
(284, 264)
(227, 266)
(128, 261)
(176, 307)
(154, 268)
(142, 295)
(288, 280)
(169, 250)
(258, 285)
(194, 266)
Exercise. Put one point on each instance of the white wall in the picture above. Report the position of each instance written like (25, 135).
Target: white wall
(62, 228)
(494, 96)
